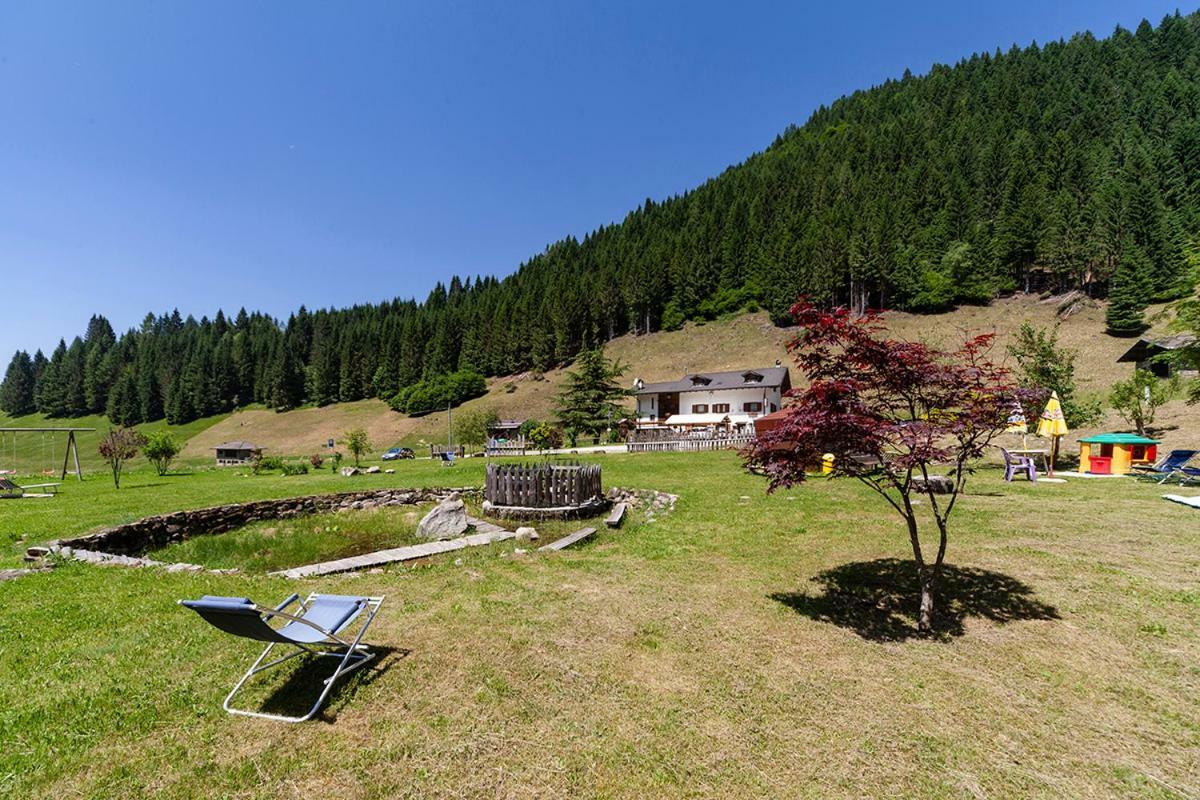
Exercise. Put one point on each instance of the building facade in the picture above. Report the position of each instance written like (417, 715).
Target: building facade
(730, 400)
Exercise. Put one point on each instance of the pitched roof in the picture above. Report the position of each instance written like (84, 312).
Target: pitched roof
(1145, 346)
(236, 446)
(709, 381)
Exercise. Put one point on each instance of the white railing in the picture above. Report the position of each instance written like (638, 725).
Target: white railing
(681, 445)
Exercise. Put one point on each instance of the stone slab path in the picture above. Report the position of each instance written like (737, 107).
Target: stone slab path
(569, 539)
(485, 533)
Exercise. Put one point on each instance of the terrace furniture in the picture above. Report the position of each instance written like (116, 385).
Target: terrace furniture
(11, 491)
(1014, 464)
(447, 459)
(1036, 454)
(316, 629)
(1166, 467)
(1188, 475)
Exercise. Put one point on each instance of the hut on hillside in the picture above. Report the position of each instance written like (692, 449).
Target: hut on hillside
(233, 454)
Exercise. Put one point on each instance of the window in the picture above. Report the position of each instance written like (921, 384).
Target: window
(720, 408)
(752, 408)
(752, 377)
(700, 408)
(700, 380)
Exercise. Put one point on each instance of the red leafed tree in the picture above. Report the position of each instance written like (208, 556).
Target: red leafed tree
(892, 413)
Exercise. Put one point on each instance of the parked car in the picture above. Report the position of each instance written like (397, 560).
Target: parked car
(398, 452)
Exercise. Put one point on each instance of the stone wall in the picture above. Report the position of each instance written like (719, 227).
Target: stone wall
(135, 538)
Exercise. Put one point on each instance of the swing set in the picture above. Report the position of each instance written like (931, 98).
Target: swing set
(71, 452)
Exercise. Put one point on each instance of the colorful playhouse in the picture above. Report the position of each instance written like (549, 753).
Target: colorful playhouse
(1115, 453)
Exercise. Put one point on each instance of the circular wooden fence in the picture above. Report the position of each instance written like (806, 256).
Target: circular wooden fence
(543, 490)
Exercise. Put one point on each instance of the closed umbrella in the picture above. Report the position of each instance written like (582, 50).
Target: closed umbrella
(1052, 423)
(1016, 423)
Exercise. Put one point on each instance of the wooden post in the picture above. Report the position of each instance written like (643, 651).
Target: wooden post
(75, 453)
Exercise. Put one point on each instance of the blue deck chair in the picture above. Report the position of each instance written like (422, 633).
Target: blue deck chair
(1166, 467)
(447, 459)
(1188, 475)
(316, 628)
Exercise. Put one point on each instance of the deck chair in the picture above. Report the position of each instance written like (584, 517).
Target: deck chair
(1166, 467)
(1188, 475)
(1014, 464)
(317, 629)
(11, 491)
(447, 459)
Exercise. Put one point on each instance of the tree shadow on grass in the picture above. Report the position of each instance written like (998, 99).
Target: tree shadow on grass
(879, 600)
(294, 697)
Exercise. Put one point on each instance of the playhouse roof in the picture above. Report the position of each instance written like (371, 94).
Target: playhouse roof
(1118, 438)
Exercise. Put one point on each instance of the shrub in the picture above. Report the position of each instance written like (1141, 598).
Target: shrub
(316, 459)
(336, 460)
(1138, 398)
(546, 437)
(1047, 366)
(260, 464)
(161, 449)
(439, 392)
(357, 443)
(298, 468)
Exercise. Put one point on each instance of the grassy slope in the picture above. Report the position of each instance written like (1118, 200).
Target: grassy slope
(695, 656)
(746, 341)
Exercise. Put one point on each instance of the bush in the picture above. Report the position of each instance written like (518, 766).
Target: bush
(298, 468)
(439, 392)
(260, 464)
(316, 459)
(1138, 398)
(161, 449)
(357, 443)
(546, 437)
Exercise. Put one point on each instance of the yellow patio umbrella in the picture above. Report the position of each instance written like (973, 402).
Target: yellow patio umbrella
(1052, 423)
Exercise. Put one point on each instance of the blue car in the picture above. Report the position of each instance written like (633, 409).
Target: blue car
(398, 452)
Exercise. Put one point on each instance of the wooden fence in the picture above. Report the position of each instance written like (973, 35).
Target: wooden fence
(506, 447)
(678, 445)
(545, 486)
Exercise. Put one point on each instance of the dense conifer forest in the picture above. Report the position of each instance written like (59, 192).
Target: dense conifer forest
(1071, 165)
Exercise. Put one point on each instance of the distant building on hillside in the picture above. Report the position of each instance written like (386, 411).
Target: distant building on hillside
(233, 454)
(730, 400)
(506, 428)
(1144, 351)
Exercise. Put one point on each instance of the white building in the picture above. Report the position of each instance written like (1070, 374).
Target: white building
(712, 399)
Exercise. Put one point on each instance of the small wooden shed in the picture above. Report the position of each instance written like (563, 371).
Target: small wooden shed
(233, 454)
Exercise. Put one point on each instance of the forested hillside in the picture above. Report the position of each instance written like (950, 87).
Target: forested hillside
(1070, 165)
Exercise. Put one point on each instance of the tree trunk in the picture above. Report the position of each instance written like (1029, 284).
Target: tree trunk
(928, 581)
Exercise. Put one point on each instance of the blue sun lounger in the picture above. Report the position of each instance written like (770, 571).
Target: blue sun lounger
(317, 627)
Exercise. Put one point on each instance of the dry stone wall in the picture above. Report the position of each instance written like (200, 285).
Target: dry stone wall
(135, 538)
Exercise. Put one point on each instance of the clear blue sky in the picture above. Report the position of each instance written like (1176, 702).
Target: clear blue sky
(226, 154)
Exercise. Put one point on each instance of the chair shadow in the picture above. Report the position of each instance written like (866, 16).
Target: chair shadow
(879, 600)
(305, 682)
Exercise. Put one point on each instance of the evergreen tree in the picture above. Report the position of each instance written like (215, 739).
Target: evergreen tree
(16, 391)
(588, 403)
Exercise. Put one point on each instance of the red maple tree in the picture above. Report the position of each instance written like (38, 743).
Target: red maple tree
(893, 414)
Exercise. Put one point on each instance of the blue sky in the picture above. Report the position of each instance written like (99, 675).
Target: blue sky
(223, 154)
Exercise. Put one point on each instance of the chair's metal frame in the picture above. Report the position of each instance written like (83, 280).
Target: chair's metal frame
(353, 653)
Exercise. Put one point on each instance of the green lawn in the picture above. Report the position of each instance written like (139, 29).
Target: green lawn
(742, 646)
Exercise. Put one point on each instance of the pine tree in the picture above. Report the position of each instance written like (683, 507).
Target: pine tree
(1128, 293)
(16, 391)
(588, 404)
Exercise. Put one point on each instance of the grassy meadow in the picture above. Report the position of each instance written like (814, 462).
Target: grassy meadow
(744, 645)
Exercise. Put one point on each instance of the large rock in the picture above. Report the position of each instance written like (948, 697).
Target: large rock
(446, 520)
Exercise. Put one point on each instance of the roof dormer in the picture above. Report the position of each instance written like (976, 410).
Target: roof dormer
(752, 377)
(700, 380)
